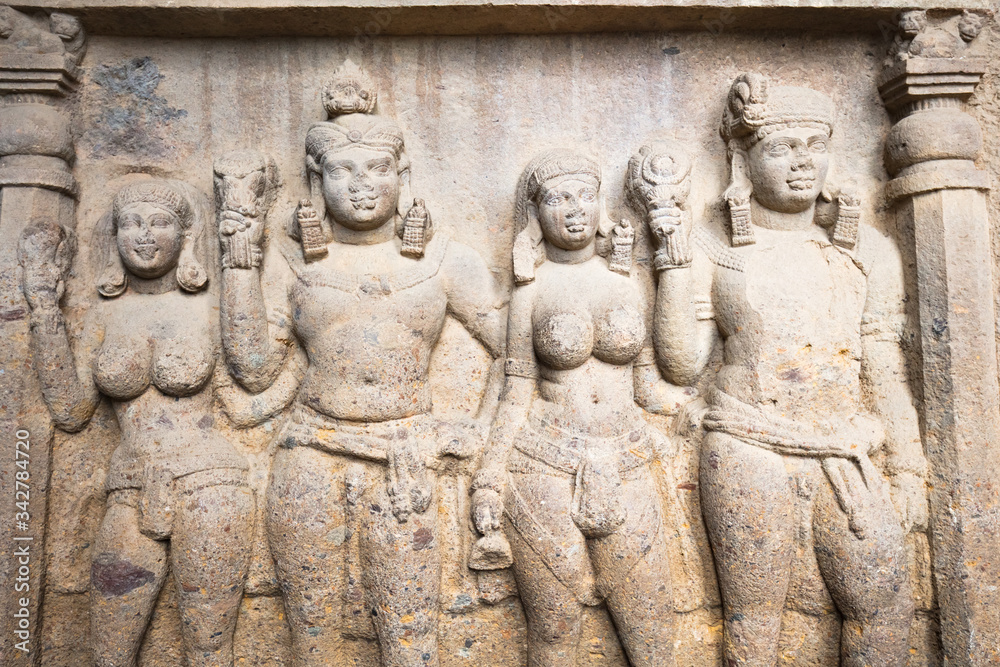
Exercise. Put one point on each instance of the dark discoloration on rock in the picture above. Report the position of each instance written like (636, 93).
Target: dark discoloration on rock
(422, 539)
(113, 576)
(132, 119)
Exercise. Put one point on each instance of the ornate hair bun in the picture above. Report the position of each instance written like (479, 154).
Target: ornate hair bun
(349, 99)
(349, 91)
(754, 109)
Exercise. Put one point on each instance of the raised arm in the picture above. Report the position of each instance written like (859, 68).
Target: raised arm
(684, 329)
(255, 345)
(652, 392)
(658, 184)
(45, 252)
(883, 371)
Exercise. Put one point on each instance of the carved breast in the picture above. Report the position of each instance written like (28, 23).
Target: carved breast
(182, 365)
(123, 367)
(607, 324)
(154, 343)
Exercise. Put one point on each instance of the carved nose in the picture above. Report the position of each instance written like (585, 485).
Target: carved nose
(802, 162)
(361, 182)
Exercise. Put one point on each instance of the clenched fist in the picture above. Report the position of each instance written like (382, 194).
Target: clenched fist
(45, 253)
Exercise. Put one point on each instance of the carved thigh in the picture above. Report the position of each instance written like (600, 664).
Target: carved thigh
(866, 577)
(210, 554)
(306, 529)
(401, 571)
(126, 576)
(633, 573)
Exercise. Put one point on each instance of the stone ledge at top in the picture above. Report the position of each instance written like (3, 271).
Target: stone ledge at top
(255, 18)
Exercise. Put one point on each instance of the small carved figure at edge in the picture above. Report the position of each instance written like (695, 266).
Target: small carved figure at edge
(178, 495)
(566, 474)
(812, 388)
(352, 510)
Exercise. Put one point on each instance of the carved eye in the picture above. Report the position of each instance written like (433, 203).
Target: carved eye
(160, 221)
(128, 222)
(381, 169)
(779, 149)
(588, 196)
(554, 200)
(818, 146)
(338, 171)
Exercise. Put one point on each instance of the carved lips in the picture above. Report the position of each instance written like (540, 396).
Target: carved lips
(800, 182)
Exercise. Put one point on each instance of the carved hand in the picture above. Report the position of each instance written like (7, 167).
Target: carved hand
(671, 230)
(241, 237)
(909, 495)
(462, 439)
(487, 510)
(45, 252)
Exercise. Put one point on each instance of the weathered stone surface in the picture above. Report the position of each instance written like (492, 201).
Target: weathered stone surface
(488, 349)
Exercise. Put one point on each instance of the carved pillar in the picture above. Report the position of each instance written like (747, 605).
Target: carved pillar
(38, 70)
(937, 189)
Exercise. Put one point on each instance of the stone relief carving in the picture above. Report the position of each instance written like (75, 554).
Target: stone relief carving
(352, 507)
(812, 387)
(566, 474)
(178, 498)
(919, 39)
(809, 435)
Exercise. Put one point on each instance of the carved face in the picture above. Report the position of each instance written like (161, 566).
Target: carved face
(361, 187)
(348, 97)
(788, 168)
(911, 23)
(569, 211)
(149, 239)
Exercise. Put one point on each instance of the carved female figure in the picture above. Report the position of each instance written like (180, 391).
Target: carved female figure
(567, 460)
(812, 387)
(178, 496)
(352, 515)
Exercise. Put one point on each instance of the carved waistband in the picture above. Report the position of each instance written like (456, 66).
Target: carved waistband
(564, 450)
(843, 450)
(369, 441)
(857, 435)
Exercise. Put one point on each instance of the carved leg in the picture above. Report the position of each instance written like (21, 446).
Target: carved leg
(401, 571)
(125, 577)
(749, 511)
(553, 610)
(633, 569)
(306, 528)
(210, 554)
(867, 579)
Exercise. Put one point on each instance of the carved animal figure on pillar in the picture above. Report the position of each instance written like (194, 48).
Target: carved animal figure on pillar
(812, 388)
(351, 508)
(178, 497)
(566, 474)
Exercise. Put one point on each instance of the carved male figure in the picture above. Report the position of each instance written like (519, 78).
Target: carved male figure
(568, 457)
(178, 496)
(812, 388)
(352, 489)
